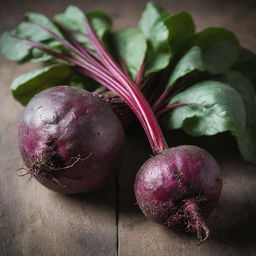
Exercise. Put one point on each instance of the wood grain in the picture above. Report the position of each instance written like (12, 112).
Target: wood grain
(35, 221)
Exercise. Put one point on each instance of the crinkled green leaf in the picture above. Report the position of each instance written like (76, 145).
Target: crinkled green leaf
(39, 56)
(41, 20)
(18, 51)
(220, 49)
(157, 60)
(13, 49)
(216, 107)
(190, 62)
(243, 85)
(149, 17)
(198, 60)
(101, 22)
(27, 85)
(181, 30)
(73, 19)
(131, 45)
(215, 51)
(246, 64)
(29, 30)
(152, 24)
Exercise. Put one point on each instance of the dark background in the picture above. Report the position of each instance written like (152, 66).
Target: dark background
(237, 15)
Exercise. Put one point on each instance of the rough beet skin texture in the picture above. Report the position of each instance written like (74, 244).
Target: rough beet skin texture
(179, 187)
(70, 140)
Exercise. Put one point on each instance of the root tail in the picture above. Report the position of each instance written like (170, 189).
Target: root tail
(195, 221)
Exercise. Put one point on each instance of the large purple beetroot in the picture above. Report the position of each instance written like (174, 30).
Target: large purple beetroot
(179, 186)
(70, 140)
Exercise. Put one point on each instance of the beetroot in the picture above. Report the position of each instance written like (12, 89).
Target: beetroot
(179, 186)
(70, 140)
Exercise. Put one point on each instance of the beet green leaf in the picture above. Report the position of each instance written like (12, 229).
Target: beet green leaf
(216, 107)
(131, 45)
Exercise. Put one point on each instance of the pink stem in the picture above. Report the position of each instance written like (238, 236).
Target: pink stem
(140, 75)
(169, 108)
(140, 106)
(86, 53)
(160, 100)
(115, 86)
(124, 67)
(108, 60)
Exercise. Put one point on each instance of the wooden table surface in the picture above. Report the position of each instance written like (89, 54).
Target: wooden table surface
(35, 221)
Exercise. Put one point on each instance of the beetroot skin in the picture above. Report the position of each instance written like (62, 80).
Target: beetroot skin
(70, 140)
(178, 187)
